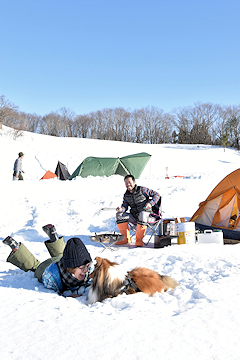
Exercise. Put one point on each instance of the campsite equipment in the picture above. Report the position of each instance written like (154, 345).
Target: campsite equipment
(48, 175)
(169, 227)
(96, 166)
(209, 236)
(167, 234)
(106, 239)
(162, 241)
(221, 209)
(62, 171)
(186, 233)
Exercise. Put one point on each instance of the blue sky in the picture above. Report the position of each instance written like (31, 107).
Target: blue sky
(87, 55)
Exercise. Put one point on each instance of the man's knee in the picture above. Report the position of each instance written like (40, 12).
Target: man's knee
(143, 217)
(122, 217)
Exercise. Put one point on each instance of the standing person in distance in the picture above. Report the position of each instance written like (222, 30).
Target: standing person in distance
(17, 169)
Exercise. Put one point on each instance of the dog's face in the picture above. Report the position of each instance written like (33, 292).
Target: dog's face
(107, 279)
(102, 265)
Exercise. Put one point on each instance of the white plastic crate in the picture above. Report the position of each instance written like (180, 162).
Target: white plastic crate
(210, 237)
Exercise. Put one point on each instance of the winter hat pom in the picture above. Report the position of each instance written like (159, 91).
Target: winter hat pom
(75, 254)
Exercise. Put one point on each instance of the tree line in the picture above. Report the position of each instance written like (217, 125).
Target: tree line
(203, 123)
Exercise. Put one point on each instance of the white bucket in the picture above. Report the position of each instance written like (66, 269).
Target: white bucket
(186, 233)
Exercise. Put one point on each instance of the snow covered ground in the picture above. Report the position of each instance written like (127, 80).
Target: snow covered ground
(198, 320)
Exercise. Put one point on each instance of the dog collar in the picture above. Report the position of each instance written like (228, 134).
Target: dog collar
(129, 283)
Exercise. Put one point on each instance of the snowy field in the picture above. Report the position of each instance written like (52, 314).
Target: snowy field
(198, 320)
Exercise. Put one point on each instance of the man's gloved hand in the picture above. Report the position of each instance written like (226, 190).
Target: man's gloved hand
(148, 206)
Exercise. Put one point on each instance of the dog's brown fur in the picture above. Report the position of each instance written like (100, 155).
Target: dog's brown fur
(108, 281)
(149, 281)
(100, 280)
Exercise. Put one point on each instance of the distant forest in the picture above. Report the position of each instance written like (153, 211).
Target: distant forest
(203, 123)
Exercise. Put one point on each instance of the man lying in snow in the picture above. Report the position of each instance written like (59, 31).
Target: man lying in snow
(66, 272)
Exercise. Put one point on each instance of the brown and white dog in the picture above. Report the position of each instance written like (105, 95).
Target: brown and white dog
(109, 280)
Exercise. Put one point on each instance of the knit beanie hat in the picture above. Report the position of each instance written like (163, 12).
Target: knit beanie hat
(75, 254)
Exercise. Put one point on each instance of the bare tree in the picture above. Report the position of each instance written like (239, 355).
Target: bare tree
(67, 118)
(203, 123)
(183, 124)
(117, 123)
(7, 111)
(233, 125)
(82, 126)
(51, 124)
(138, 126)
(195, 124)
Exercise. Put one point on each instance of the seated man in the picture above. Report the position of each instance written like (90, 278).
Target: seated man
(140, 200)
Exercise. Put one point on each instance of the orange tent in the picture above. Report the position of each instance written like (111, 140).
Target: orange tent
(221, 209)
(49, 175)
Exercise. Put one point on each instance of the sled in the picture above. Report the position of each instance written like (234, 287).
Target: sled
(107, 240)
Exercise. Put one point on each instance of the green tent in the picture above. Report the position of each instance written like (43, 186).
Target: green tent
(95, 166)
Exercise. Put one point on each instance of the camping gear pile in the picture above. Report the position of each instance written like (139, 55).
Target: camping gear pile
(217, 219)
(220, 211)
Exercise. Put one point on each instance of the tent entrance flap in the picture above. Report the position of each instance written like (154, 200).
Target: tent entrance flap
(235, 214)
(121, 170)
(222, 217)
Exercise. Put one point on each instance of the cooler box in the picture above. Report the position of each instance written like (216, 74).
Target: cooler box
(210, 237)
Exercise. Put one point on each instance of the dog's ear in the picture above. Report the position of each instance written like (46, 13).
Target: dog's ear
(98, 260)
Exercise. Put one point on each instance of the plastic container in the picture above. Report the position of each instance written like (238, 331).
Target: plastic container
(161, 241)
(210, 237)
(186, 233)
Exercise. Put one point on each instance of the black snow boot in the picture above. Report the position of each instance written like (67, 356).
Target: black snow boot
(51, 232)
(11, 242)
